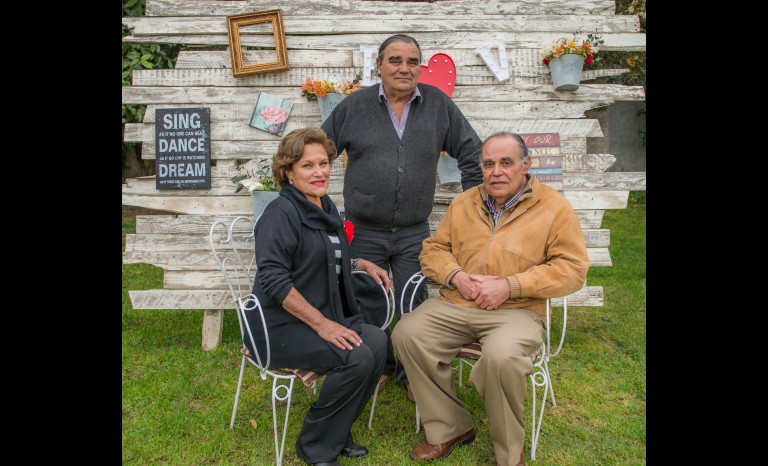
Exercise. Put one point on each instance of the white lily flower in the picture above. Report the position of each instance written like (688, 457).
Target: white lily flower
(252, 184)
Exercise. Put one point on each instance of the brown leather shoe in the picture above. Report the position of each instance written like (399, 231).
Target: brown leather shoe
(521, 463)
(382, 381)
(428, 451)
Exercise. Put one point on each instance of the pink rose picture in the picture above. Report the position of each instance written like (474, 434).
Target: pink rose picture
(271, 113)
(275, 118)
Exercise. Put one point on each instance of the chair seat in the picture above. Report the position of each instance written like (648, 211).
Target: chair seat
(307, 377)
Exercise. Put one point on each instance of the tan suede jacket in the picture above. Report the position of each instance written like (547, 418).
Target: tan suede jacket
(537, 245)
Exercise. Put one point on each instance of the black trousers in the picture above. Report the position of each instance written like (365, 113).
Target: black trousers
(396, 251)
(343, 395)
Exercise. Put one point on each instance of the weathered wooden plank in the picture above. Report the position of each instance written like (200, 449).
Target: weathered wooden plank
(339, 7)
(597, 199)
(522, 62)
(492, 93)
(390, 24)
(597, 241)
(296, 76)
(241, 205)
(182, 224)
(584, 127)
(590, 218)
(223, 186)
(191, 260)
(213, 327)
(225, 150)
(615, 41)
(198, 279)
(200, 224)
(198, 242)
(586, 163)
(319, 59)
(221, 299)
(181, 299)
(221, 150)
(472, 110)
(240, 131)
(616, 181)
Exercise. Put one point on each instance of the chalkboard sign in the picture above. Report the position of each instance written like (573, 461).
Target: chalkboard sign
(183, 148)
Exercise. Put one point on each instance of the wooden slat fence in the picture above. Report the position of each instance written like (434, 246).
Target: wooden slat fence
(328, 41)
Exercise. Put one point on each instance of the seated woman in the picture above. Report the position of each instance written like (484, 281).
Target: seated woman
(304, 284)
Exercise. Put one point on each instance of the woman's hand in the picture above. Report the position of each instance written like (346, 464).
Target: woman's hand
(379, 275)
(339, 335)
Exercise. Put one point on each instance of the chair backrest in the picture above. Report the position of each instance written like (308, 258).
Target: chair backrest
(415, 283)
(232, 245)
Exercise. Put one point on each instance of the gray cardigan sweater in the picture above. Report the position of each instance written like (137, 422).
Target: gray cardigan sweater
(389, 183)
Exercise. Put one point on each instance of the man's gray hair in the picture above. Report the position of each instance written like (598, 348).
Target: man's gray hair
(398, 38)
(516, 137)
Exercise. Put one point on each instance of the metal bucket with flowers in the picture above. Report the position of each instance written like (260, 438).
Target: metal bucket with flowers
(566, 59)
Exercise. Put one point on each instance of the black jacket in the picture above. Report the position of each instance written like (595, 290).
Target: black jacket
(293, 251)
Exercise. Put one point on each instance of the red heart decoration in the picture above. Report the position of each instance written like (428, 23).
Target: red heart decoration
(440, 71)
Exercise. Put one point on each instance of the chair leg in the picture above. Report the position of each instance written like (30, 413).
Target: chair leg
(276, 387)
(549, 382)
(373, 405)
(461, 371)
(237, 393)
(418, 420)
(538, 379)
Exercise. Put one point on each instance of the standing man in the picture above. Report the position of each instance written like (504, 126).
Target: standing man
(501, 250)
(393, 134)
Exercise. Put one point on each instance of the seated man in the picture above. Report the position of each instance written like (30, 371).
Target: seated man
(502, 249)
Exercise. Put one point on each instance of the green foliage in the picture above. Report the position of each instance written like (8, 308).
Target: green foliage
(137, 57)
(634, 61)
(177, 399)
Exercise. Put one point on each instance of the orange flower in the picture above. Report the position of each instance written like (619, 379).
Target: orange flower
(312, 89)
(587, 48)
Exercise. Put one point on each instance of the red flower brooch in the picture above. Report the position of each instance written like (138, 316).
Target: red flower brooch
(349, 230)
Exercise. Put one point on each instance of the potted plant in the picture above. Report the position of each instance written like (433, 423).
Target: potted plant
(567, 57)
(329, 92)
(256, 176)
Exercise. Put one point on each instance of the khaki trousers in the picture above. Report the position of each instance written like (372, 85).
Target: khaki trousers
(429, 338)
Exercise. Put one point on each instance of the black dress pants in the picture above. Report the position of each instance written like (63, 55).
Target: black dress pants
(396, 251)
(343, 395)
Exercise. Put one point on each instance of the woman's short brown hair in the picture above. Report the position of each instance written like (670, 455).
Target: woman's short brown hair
(291, 149)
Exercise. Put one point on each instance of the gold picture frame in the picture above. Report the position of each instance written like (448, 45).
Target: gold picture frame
(235, 22)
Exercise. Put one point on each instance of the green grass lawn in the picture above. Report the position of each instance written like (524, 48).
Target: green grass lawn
(177, 399)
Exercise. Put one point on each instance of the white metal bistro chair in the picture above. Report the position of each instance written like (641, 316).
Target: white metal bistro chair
(232, 244)
(471, 352)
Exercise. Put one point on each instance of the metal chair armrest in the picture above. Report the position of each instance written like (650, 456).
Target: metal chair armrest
(389, 298)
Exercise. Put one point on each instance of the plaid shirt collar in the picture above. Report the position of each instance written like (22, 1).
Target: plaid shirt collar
(492, 204)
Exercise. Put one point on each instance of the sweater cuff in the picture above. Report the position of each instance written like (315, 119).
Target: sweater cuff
(514, 285)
